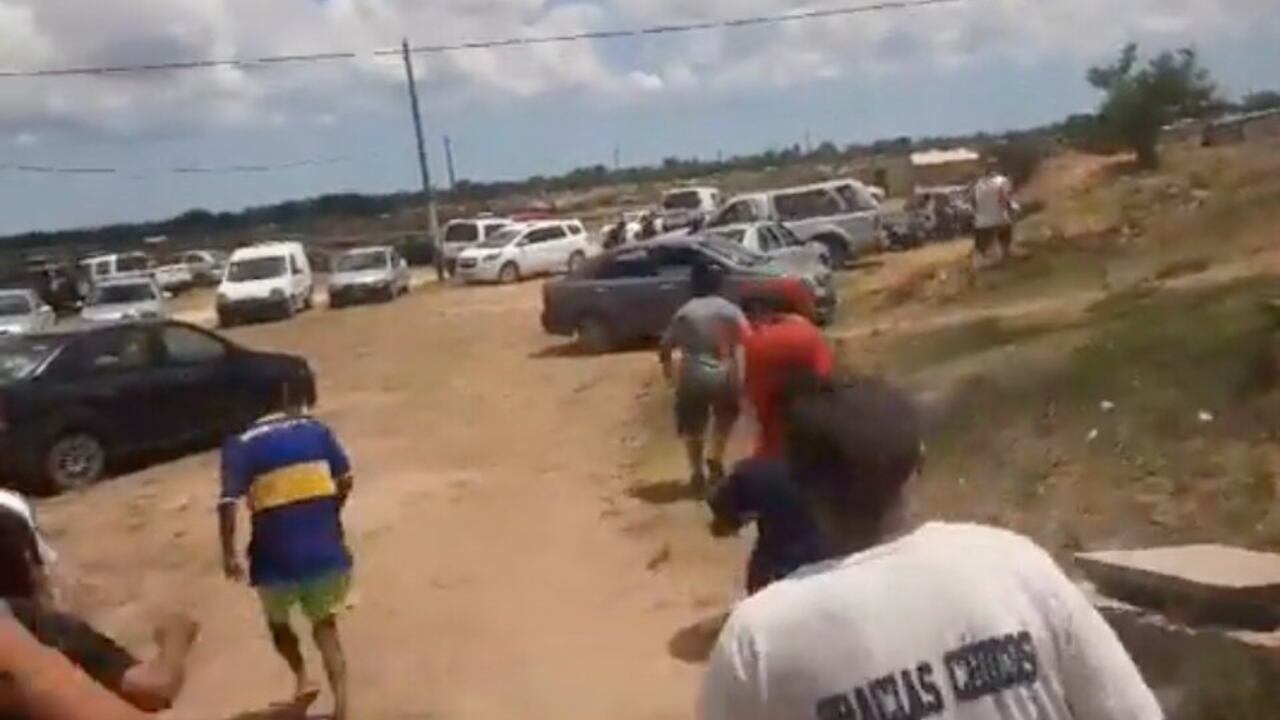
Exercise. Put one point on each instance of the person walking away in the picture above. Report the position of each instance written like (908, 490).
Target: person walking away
(993, 213)
(296, 478)
(784, 353)
(948, 621)
(708, 331)
(150, 685)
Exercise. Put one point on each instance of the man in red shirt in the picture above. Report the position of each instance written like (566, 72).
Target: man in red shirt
(782, 344)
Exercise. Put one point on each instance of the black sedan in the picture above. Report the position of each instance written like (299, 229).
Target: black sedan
(73, 403)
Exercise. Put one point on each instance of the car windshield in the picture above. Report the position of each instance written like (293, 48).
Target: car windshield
(502, 239)
(263, 268)
(122, 293)
(785, 234)
(461, 233)
(14, 305)
(19, 357)
(682, 200)
(363, 260)
(734, 253)
(734, 236)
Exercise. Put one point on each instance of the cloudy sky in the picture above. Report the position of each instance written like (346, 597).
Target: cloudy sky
(344, 125)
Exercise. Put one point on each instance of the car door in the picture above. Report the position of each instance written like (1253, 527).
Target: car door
(554, 250)
(859, 218)
(674, 265)
(195, 377)
(621, 292)
(105, 380)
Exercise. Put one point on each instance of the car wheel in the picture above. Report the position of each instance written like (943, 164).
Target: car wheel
(575, 262)
(75, 460)
(594, 336)
(837, 251)
(509, 273)
(335, 303)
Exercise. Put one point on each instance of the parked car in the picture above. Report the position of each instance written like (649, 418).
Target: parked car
(526, 250)
(773, 239)
(631, 293)
(22, 312)
(843, 215)
(174, 277)
(366, 274)
(206, 266)
(122, 300)
(71, 404)
(464, 233)
(688, 206)
(271, 280)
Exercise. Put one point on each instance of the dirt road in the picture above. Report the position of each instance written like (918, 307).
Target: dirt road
(497, 576)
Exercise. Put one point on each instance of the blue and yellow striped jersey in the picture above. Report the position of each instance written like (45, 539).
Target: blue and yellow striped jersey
(287, 468)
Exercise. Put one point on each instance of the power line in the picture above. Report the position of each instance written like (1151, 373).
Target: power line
(676, 28)
(654, 30)
(177, 169)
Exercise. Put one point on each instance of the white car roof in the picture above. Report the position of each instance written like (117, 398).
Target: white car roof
(694, 188)
(266, 250)
(29, 294)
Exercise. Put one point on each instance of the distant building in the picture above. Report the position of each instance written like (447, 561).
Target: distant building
(1261, 125)
(954, 166)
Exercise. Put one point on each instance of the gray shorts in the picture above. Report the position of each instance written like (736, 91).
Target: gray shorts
(697, 402)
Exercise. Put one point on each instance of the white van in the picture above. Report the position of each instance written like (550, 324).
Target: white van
(682, 207)
(272, 280)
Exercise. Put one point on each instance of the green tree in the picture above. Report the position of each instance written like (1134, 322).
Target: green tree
(1265, 100)
(1139, 100)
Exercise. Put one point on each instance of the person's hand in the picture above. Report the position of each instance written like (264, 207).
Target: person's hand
(233, 569)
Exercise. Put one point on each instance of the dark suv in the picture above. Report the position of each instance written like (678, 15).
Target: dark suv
(631, 293)
(72, 403)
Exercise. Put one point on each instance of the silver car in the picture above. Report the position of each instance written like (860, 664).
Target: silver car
(22, 312)
(123, 300)
(371, 273)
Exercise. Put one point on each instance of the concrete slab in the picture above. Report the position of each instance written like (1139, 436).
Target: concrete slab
(1193, 583)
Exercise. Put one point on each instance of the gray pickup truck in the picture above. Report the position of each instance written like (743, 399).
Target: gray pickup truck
(631, 293)
(843, 215)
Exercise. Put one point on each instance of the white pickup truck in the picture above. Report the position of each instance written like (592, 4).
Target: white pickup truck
(122, 266)
(842, 215)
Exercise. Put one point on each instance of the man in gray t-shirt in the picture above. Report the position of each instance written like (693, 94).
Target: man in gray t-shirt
(707, 330)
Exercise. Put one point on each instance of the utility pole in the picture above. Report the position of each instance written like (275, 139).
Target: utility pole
(448, 159)
(433, 221)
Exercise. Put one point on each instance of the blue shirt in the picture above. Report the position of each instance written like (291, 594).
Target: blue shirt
(287, 468)
(787, 537)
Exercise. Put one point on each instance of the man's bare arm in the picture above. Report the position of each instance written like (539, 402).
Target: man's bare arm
(38, 682)
(227, 531)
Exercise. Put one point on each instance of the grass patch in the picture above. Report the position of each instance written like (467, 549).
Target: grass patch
(912, 353)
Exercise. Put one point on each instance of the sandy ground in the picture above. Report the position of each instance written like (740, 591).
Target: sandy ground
(503, 570)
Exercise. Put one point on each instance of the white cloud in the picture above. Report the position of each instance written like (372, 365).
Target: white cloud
(69, 33)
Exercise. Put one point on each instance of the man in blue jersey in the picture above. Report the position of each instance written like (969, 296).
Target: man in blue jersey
(295, 479)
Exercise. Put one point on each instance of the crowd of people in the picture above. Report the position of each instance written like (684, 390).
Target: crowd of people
(854, 611)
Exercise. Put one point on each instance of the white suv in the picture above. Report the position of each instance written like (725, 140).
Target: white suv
(524, 250)
(843, 215)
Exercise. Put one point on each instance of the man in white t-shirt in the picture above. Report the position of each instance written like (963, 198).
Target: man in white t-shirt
(992, 212)
(935, 621)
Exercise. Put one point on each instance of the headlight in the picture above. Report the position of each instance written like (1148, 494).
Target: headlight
(277, 294)
(490, 257)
